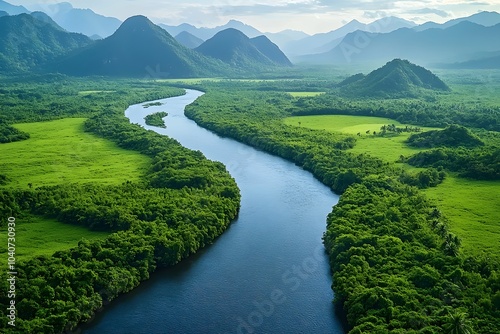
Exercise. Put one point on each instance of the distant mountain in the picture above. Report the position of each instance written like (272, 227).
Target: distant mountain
(189, 40)
(140, 49)
(486, 19)
(324, 42)
(2, 13)
(207, 33)
(26, 43)
(41, 16)
(11, 9)
(282, 38)
(492, 62)
(397, 78)
(84, 21)
(238, 50)
(458, 43)
(270, 50)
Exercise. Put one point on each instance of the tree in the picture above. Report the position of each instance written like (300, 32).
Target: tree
(457, 323)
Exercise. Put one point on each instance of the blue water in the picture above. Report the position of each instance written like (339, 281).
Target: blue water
(267, 273)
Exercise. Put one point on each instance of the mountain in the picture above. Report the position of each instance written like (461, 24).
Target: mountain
(282, 38)
(41, 16)
(324, 42)
(11, 9)
(207, 33)
(26, 43)
(84, 21)
(270, 50)
(188, 40)
(397, 78)
(458, 43)
(238, 50)
(139, 49)
(486, 19)
(492, 62)
(2, 13)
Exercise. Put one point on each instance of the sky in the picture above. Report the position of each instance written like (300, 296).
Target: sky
(310, 16)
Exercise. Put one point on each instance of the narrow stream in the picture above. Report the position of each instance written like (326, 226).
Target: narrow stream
(267, 273)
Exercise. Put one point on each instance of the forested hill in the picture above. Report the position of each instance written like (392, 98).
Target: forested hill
(27, 42)
(235, 48)
(397, 78)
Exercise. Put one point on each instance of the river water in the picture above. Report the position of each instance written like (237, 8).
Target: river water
(267, 273)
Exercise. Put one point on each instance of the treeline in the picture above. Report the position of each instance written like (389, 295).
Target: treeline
(9, 134)
(433, 113)
(397, 268)
(479, 163)
(183, 204)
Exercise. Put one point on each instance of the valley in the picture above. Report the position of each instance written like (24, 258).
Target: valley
(163, 177)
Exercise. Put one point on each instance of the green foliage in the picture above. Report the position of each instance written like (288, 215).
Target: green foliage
(154, 224)
(481, 163)
(396, 265)
(156, 119)
(452, 136)
(8, 134)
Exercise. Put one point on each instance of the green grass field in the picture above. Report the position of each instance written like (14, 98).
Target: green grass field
(305, 94)
(386, 148)
(38, 236)
(61, 152)
(471, 206)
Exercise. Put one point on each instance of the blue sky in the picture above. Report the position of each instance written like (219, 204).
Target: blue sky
(311, 16)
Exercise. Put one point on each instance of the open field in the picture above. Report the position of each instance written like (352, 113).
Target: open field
(39, 236)
(386, 148)
(305, 94)
(61, 152)
(473, 210)
(471, 206)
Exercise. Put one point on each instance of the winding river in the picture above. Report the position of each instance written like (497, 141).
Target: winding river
(267, 273)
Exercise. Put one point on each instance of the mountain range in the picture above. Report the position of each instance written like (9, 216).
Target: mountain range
(458, 43)
(235, 48)
(28, 42)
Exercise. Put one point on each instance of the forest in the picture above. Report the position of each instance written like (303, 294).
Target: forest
(396, 265)
(183, 204)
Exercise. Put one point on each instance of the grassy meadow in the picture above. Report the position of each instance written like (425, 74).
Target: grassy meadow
(39, 236)
(470, 205)
(61, 152)
(388, 148)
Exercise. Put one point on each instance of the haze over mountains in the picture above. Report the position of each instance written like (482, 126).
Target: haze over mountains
(470, 42)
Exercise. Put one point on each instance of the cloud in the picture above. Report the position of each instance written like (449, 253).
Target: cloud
(425, 11)
(375, 15)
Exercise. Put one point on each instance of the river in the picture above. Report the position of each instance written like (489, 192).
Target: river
(268, 273)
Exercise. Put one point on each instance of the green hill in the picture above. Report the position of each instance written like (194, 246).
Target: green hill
(238, 50)
(398, 78)
(26, 42)
(139, 48)
(452, 136)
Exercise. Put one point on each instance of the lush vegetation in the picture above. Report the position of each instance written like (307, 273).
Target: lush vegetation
(9, 134)
(61, 151)
(156, 119)
(397, 267)
(452, 136)
(182, 204)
